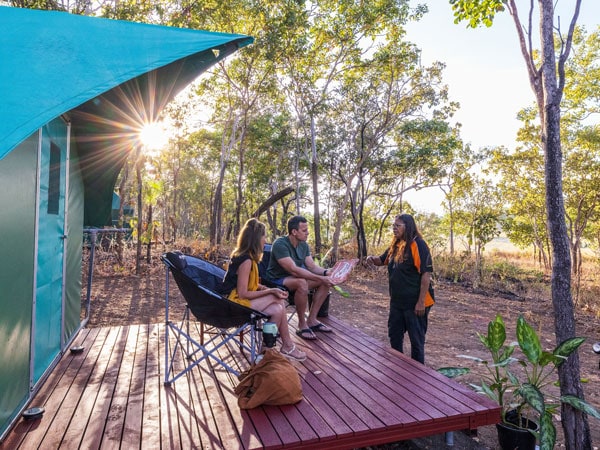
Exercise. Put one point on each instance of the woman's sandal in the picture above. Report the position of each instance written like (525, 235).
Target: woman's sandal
(294, 354)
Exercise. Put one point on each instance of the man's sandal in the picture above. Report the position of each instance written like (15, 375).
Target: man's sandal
(306, 334)
(294, 354)
(321, 327)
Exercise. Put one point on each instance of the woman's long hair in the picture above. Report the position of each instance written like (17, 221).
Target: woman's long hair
(399, 250)
(249, 240)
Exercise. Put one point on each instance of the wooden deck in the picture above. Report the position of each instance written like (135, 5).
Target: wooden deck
(357, 392)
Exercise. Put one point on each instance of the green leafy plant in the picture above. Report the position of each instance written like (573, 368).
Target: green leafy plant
(526, 391)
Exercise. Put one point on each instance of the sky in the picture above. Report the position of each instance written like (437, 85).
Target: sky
(485, 73)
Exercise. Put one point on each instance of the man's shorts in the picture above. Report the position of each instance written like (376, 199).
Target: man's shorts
(277, 281)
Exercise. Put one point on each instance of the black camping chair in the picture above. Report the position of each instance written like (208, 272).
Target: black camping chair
(199, 282)
(262, 271)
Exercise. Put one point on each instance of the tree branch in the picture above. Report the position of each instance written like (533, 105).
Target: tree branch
(272, 199)
(565, 54)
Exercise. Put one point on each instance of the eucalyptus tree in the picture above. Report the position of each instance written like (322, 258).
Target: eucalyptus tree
(478, 210)
(521, 182)
(429, 153)
(389, 145)
(547, 80)
(240, 89)
(419, 157)
(82, 7)
(271, 144)
(334, 37)
(523, 170)
(579, 125)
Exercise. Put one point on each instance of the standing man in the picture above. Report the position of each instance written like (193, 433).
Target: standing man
(292, 266)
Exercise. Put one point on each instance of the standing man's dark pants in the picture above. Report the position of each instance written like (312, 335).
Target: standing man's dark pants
(401, 321)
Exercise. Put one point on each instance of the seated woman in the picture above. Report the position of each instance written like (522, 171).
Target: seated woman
(241, 284)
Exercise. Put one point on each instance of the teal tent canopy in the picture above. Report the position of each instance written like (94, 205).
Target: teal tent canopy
(109, 77)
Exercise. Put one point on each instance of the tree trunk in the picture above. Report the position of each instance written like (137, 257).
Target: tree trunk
(574, 423)
(121, 223)
(237, 225)
(150, 235)
(138, 174)
(314, 171)
(216, 210)
(175, 211)
(451, 216)
(339, 220)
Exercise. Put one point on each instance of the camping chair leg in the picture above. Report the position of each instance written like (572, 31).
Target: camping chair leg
(292, 312)
(167, 352)
(203, 349)
(187, 329)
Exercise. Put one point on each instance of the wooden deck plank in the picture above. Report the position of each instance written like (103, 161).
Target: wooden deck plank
(93, 409)
(52, 395)
(357, 392)
(65, 410)
(151, 412)
(132, 423)
(380, 398)
(437, 382)
(179, 394)
(241, 421)
(117, 402)
(202, 411)
(362, 371)
(110, 404)
(169, 424)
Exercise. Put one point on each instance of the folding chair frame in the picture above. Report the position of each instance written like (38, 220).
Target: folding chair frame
(196, 352)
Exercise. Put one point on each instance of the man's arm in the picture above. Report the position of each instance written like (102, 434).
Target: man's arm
(312, 271)
(312, 266)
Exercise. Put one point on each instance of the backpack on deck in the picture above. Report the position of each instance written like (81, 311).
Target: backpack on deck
(272, 381)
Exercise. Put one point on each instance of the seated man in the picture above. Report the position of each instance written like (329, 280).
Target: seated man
(292, 266)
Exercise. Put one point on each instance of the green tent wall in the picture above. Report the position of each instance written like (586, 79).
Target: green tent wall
(99, 80)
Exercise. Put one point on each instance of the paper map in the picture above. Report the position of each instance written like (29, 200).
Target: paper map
(341, 270)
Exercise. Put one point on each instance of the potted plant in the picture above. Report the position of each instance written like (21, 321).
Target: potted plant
(524, 395)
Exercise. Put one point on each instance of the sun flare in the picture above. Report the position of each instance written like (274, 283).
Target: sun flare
(153, 137)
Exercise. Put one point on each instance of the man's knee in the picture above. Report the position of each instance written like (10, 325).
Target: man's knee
(298, 286)
(323, 290)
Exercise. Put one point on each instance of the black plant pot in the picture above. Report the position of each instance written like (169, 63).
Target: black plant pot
(511, 437)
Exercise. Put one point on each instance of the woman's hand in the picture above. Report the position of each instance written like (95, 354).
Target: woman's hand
(279, 293)
(420, 307)
(370, 261)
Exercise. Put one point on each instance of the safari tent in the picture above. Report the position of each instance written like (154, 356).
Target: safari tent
(74, 93)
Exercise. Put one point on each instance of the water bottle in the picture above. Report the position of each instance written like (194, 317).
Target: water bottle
(269, 334)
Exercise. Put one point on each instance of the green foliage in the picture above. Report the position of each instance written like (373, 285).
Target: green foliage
(476, 12)
(453, 372)
(503, 270)
(526, 390)
(452, 268)
(341, 291)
